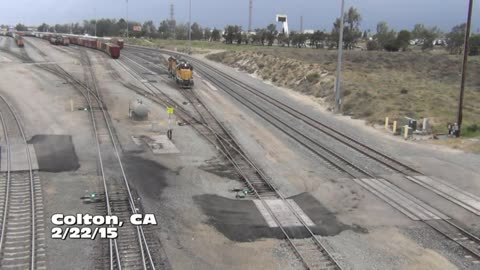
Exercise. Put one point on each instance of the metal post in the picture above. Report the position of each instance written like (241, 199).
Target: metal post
(301, 24)
(338, 94)
(95, 15)
(127, 19)
(190, 27)
(464, 69)
(250, 10)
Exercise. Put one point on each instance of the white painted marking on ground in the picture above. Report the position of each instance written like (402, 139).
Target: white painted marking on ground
(18, 158)
(5, 59)
(210, 85)
(266, 215)
(300, 212)
(137, 141)
(162, 145)
(450, 192)
(283, 213)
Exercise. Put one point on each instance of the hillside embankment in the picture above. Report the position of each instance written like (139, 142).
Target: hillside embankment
(375, 84)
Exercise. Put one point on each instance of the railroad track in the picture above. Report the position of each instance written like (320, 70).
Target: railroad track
(441, 223)
(22, 236)
(130, 250)
(312, 251)
(22, 55)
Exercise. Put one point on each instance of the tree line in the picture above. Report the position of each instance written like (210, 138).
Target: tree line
(383, 38)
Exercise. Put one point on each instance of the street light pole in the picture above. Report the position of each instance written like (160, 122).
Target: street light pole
(95, 15)
(464, 70)
(127, 19)
(190, 27)
(338, 94)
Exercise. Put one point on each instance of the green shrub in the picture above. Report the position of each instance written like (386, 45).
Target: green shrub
(313, 77)
(372, 45)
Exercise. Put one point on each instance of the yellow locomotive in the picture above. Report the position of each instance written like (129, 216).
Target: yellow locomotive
(181, 71)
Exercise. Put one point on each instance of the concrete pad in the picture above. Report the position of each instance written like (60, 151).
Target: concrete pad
(19, 160)
(137, 140)
(464, 199)
(162, 145)
(412, 207)
(283, 213)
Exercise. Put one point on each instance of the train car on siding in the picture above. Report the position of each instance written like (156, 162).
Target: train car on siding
(111, 49)
(19, 40)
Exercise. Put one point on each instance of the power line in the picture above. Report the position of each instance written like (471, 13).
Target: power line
(172, 20)
(127, 19)
(301, 24)
(338, 89)
(250, 11)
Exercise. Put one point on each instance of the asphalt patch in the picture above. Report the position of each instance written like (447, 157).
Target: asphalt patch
(240, 220)
(55, 153)
(220, 168)
(146, 176)
(326, 222)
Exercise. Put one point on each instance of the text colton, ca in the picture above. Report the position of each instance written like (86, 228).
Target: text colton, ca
(87, 219)
(105, 227)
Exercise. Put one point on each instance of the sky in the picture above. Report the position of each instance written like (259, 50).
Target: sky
(317, 14)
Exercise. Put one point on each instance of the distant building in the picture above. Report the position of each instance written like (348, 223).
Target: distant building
(308, 31)
(439, 42)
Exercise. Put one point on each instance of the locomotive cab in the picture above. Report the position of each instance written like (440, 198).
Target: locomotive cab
(184, 76)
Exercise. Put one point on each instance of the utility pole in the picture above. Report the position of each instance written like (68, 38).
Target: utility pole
(338, 94)
(464, 69)
(95, 15)
(301, 24)
(250, 10)
(127, 19)
(172, 20)
(190, 27)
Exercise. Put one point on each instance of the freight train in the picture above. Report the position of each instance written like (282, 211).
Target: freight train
(18, 40)
(110, 46)
(17, 37)
(181, 71)
(59, 40)
(101, 44)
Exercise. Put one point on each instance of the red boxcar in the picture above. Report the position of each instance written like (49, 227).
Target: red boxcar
(113, 50)
(107, 45)
(19, 40)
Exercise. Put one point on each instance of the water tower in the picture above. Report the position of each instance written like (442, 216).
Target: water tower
(283, 19)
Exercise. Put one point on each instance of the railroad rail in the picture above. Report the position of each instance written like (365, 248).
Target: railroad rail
(312, 252)
(448, 228)
(22, 233)
(22, 55)
(130, 250)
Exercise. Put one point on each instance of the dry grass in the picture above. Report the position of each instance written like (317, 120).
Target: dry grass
(467, 145)
(375, 84)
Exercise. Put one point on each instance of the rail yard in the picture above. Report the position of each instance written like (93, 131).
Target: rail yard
(120, 156)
